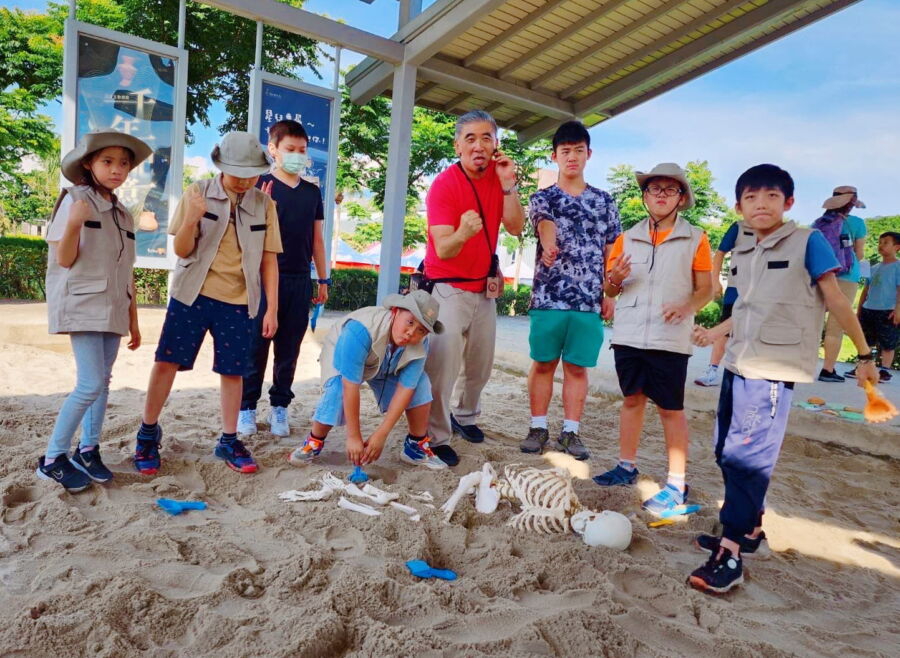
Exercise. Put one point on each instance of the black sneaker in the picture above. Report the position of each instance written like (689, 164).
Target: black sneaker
(62, 471)
(884, 376)
(830, 376)
(851, 374)
(471, 433)
(571, 443)
(719, 574)
(446, 454)
(534, 442)
(749, 547)
(146, 453)
(91, 465)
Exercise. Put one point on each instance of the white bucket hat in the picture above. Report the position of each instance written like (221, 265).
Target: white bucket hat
(668, 170)
(240, 154)
(423, 306)
(95, 141)
(841, 196)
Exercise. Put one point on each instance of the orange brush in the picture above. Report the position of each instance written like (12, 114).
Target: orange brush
(878, 409)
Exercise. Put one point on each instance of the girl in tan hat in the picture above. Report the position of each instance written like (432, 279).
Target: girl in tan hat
(90, 295)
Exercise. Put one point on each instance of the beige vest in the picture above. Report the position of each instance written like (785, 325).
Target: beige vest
(250, 225)
(377, 321)
(639, 317)
(94, 294)
(779, 311)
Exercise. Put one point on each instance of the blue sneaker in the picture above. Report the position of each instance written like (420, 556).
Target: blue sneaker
(278, 421)
(617, 477)
(420, 454)
(62, 471)
(236, 456)
(146, 453)
(666, 499)
(90, 464)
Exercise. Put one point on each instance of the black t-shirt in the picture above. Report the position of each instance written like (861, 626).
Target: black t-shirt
(298, 210)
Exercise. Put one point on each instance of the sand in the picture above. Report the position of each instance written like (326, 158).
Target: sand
(106, 573)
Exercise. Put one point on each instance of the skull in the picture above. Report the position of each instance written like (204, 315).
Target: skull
(607, 528)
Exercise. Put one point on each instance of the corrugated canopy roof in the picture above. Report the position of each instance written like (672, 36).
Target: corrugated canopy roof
(533, 63)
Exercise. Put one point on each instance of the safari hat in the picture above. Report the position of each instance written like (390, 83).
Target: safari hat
(96, 141)
(240, 154)
(423, 306)
(668, 170)
(841, 196)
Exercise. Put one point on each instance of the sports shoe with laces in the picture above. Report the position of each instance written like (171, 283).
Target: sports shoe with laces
(617, 477)
(534, 442)
(62, 471)
(719, 574)
(236, 456)
(278, 421)
(471, 433)
(667, 498)
(419, 452)
(829, 376)
(90, 464)
(246, 425)
(709, 378)
(571, 443)
(884, 376)
(146, 453)
(749, 546)
(307, 452)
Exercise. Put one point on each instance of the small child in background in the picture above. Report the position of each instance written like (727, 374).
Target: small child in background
(879, 305)
(90, 295)
(385, 347)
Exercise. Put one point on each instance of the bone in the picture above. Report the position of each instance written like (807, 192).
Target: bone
(358, 507)
(466, 486)
(379, 496)
(332, 482)
(411, 512)
(487, 497)
(295, 496)
(424, 496)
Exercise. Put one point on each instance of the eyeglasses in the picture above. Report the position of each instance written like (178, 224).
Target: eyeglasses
(656, 190)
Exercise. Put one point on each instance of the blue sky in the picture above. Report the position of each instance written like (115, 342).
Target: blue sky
(822, 102)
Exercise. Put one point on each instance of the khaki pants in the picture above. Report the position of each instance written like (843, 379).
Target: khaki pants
(465, 351)
(832, 326)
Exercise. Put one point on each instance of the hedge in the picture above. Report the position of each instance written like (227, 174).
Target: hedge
(23, 264)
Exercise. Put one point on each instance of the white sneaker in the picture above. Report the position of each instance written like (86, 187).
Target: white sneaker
(711, 378)
(247, 422)
(278, 421)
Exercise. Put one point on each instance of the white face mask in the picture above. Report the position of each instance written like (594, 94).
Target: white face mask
(295, 163)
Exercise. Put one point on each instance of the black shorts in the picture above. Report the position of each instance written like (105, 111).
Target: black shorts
(726, 312)
(879, 329)
(658, 374)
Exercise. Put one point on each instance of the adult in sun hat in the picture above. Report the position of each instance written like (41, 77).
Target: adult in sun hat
(846, 233)
(384, 346)
(227, 241)
(660, 271)
(90, 295)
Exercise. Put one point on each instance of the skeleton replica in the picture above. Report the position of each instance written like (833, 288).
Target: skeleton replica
(548, 501)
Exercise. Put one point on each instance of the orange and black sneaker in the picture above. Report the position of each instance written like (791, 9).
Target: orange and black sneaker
(307, 452)
(720, 573)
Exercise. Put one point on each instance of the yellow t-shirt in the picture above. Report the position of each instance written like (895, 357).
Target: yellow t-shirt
(225, 279)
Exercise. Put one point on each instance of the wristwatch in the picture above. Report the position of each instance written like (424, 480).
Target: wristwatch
(326, 282)
(512, 190)
(868, 356)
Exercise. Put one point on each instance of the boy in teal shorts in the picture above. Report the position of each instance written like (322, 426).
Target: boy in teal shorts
(576, 224)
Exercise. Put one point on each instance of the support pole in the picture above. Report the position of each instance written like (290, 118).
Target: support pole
(399, 145)
(409, 9)
(337, 67)
(182, 21)
(257, 59)
(72, 9)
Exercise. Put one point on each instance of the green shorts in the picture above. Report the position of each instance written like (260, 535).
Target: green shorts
(576, 336)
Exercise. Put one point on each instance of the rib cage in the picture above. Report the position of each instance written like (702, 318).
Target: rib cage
(546, 496)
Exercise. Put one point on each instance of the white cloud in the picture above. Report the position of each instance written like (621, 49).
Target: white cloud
(200, 164)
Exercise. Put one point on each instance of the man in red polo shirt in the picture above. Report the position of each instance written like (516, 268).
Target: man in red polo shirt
(466, 204)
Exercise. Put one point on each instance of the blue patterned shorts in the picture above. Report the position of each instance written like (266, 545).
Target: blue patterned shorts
(185, 327)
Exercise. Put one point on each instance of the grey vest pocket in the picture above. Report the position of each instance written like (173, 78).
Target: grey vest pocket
(780, 334)
(86, 299)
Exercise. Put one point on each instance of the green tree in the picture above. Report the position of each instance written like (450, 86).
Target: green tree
(365, 130)
(368, 233)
